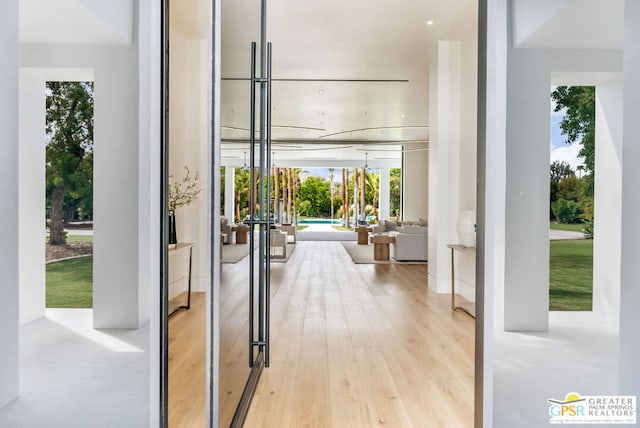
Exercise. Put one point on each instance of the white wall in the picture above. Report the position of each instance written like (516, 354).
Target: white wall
(608, 200)
(630, 286)
(9, 373)
(452, 158)
(115, 281)
(188, 145)
(32, 196)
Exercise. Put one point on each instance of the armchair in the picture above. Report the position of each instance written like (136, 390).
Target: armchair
(278, 244)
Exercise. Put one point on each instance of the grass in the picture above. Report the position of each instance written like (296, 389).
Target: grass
(70, 283)
(564, 226)
(342, 228)
(76, 238)
(571, 275)
(301, 227)
(79, 238)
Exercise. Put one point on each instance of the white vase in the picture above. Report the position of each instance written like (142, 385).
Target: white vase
(466, 226)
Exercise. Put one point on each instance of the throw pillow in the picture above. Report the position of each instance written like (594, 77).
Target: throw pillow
(422, 222)
(381, 226)
(390, 226)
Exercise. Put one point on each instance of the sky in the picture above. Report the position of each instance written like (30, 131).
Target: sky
(560, 150)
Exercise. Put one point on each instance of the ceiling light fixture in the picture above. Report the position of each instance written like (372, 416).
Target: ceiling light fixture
(429, 23)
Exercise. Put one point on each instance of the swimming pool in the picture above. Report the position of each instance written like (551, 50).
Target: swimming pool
(319, 221)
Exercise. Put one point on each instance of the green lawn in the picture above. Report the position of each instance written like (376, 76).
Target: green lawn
(342, 228)
(76, 238)
(571, 275)
(70, 283)
(79, 238)
(563, 226)
(301, 227)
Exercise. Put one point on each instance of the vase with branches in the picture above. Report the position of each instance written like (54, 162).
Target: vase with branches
(181, 194)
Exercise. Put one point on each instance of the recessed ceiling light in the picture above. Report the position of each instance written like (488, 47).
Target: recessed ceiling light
(321, 91)
(402, 115)
(429, 23)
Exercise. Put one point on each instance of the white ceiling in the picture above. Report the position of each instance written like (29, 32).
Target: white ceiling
(76, 21)
(383, 45)
(569, 24)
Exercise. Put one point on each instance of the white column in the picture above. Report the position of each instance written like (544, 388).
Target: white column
(32, 196)
(416, 183)
(385, 193)
(9, 244)
(115, 266)
(444, 149)
(608, 194)
(630, 285)
(229, 192)
(526, 297)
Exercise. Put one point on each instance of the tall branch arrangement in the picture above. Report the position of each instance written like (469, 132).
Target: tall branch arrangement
(183, 193)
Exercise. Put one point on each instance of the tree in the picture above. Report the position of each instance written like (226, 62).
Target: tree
(566, 211)
(395, 190)
(332, 188)
(242, 185)
(560, 170)
(315, 191)
(372, 182)
(69, 136)
(579, 124)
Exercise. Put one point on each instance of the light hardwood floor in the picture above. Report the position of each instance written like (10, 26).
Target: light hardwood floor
(187, 343)
(355, 346)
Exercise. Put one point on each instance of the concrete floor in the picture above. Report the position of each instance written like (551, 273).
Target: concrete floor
(577, 354)
(74, 376)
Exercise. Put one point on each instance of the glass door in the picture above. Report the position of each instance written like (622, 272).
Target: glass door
(251, 278)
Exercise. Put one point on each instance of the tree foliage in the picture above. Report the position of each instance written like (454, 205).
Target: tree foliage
(579, 123)
(566, 211)
(315, 197)
(395, 190)
(572, 197)
(69, 152)
(560, 170)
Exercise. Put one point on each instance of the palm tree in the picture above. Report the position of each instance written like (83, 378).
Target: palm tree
(242, 184)
(373, 187)
(331, 188)
(276, 193)
(345, 196)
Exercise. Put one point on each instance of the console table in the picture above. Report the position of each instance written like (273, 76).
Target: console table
(464, 250)
(173, 252)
